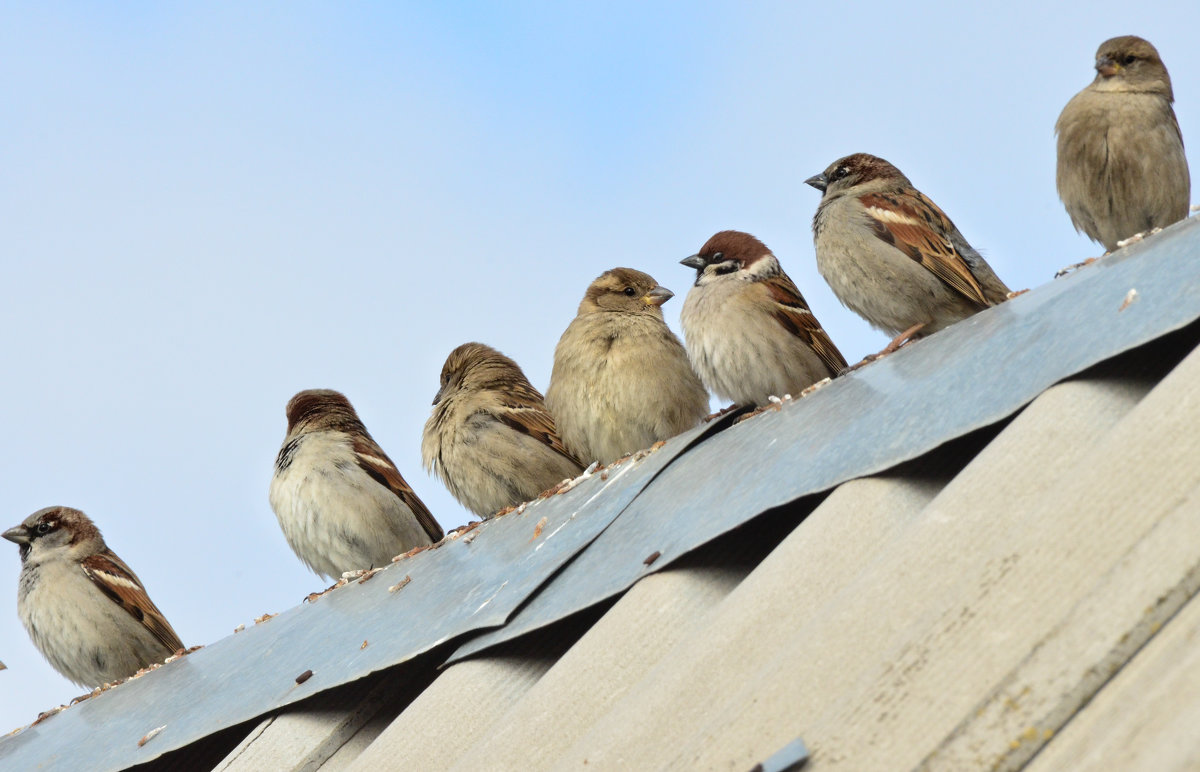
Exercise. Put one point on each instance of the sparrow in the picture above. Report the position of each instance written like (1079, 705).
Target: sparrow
(85, 610)
(891, 255)
(621, 379)
(750, 334)
(490, 438)
(1121, 167)
(340, 500)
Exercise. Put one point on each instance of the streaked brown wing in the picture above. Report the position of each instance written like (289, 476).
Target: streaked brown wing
(523, 410)
(375, 462)
(790, 310)
(908, 229)
(121, 585)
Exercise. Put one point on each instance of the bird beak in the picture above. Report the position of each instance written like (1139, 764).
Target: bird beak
(1107, 67)
(657, 296)
(695, 261)
(819, 181)
(438, 397)
(18, 534)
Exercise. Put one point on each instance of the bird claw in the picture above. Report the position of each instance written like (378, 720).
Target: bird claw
(721, 412)
(1074, 267)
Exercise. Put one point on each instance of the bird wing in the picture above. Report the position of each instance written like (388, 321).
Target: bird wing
(790, 310)
(915, 229)
(121, 585)
(523, 409)
(372, 460)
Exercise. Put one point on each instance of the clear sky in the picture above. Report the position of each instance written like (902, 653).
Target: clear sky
(206, 208)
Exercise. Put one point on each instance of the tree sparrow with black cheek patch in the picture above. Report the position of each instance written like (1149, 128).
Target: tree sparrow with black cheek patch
(490, 438)
(340, 501)
(85, 610)
(750, 334)
(621, 379)
(891, 255)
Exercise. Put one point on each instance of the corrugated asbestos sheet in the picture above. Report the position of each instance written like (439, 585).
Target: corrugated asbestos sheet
(980, 552)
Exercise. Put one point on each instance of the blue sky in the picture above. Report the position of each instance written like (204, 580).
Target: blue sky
(204, 209)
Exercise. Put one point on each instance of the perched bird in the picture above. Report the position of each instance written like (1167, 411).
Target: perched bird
(490, 438)
(340, 500)
(86, 611)
(891, 255)
(1121, 168)
(621, 379)
(749, 333)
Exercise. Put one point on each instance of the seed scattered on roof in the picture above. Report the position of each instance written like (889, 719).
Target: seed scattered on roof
(307, 674)
(653, 556)
(400, 584)
(151, 735)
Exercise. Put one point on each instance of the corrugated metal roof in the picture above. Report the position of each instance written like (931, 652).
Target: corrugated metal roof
(956, 609)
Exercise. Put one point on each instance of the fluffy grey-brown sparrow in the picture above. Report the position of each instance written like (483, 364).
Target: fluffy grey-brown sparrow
(86, 611)
(1121, 167)
(340, 500)
(490, 438)
(891, 255)
(749, 332)
(621, 380)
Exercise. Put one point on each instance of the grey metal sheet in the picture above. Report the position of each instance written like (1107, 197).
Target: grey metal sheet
(974, 374)
(471, 583)
(966, 377)
(787, 759)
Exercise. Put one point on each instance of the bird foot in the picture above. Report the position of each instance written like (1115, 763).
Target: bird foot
(1016, 294)
(719, 413)
(898, 342)
(1135, 238)
(813, 387)
(752, 413)
(1075, 267)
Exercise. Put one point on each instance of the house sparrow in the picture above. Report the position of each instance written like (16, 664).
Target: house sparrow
(340, 500)
(490, 438)
(85, 610)
(749, 333)
(621, 379)
(1121, 168)
(891, 255)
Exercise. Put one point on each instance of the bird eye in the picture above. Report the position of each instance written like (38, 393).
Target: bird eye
(718, 257)
(42, 529)
(1128, 60)
(840, 172)
(630, 291)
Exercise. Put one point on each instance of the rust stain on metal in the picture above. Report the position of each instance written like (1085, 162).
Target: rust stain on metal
(537, 529)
